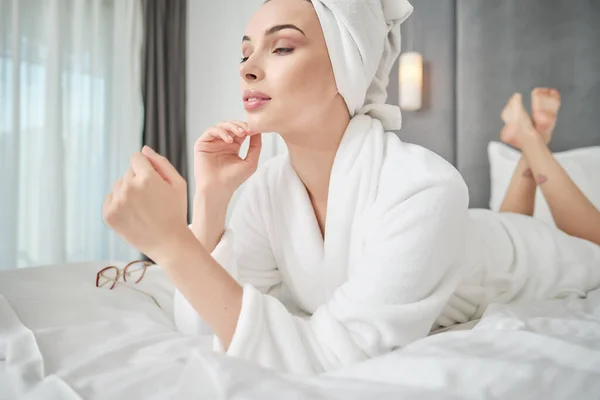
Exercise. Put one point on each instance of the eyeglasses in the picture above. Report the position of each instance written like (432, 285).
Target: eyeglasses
(132, 273)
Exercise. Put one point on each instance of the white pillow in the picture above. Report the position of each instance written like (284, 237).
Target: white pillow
(582, 165)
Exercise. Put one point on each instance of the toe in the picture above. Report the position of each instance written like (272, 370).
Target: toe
(543, 99)
(555, 93)
(544, 91)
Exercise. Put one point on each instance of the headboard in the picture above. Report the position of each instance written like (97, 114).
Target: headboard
(477, 53)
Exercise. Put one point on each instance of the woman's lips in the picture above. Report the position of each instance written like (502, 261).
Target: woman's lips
(253, 100)
(254, 103)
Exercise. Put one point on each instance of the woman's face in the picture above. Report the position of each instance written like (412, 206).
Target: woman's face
(287, 78)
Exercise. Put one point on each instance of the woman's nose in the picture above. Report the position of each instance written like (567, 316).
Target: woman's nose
(250, 71)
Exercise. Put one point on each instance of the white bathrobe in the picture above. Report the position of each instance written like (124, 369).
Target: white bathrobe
(401, 255)
(390, 259)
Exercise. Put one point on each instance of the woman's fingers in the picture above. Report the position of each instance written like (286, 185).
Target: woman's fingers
(141, 165)
(106, 206)
(129, 175)
(228, 132)
(254, 150)
(162, 165)
(236, 128)
(219, 133)
(117, 185)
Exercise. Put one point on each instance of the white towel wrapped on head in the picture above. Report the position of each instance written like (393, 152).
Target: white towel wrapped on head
(363, 39)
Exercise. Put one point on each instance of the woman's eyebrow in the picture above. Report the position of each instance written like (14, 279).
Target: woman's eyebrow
(276, 28)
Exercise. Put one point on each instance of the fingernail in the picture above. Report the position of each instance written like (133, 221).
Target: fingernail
(240, 129)
(149, 150)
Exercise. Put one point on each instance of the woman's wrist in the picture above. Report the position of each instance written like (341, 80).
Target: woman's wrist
(179, 245)
(170, 244)
(208, 218)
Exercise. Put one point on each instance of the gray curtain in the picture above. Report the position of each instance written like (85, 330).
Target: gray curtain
(164, 79)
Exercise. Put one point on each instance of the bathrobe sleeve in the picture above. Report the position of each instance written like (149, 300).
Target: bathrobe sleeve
(250, 261)
(408, 271)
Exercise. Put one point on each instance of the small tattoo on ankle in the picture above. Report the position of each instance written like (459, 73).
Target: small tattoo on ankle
(527, 173)
(541, 179)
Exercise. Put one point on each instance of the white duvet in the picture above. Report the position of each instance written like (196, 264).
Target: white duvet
(62, 338)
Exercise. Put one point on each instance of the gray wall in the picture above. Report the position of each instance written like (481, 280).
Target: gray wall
(479, 52)
(430, 31)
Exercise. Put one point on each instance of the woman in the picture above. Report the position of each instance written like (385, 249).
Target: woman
(369, 237)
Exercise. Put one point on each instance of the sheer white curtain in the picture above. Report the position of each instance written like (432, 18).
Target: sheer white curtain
(70, 116)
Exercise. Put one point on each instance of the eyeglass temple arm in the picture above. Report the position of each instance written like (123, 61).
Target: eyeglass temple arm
(141, 291)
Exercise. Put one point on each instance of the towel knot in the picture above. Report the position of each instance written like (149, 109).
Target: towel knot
(389, 115)
(396, 10)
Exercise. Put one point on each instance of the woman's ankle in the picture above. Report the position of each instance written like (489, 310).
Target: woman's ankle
(530, 140)
(523, 168)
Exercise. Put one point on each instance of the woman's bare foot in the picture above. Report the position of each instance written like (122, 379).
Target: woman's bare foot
(545, 103)
(517, 122)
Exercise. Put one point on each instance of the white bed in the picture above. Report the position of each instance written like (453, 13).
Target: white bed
(62, 338)
(6, 392)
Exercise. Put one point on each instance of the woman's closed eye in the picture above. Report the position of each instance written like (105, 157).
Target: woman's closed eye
(279, 51)
(283, 50)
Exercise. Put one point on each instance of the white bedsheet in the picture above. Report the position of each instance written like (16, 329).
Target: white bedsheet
(122, 347)
(6, 392)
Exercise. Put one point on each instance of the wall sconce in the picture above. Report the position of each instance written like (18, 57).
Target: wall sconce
(411, 81)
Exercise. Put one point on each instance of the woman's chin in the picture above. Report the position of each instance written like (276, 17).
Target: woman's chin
(260, 123)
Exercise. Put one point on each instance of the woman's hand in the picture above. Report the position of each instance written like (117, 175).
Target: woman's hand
(220, 171)
(148, 206)
(218, 168)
